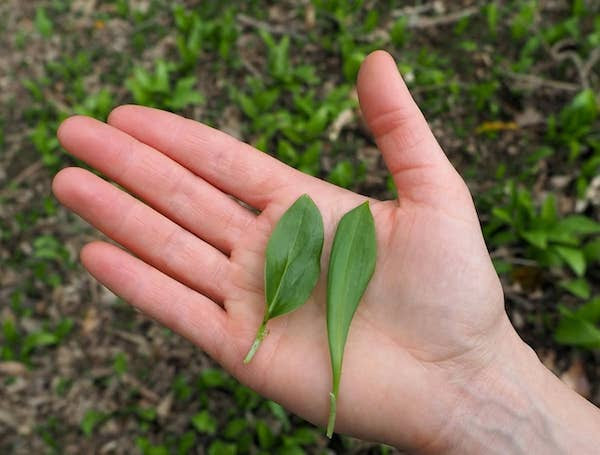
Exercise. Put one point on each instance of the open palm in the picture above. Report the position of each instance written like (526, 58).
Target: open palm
(430, 314)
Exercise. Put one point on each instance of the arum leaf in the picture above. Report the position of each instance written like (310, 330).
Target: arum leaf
(536, 237)
(351, 266)
(573, 257)
(579, 225)
(578, 287)
(575, 331)
(590, 311)
(293, 262)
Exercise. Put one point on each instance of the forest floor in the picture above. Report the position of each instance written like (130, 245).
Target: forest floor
(508, 88)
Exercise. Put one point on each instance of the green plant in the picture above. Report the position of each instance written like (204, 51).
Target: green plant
(205, 423)
(45, 142)
(351, 266)
(43, 24)
(399, 33)
(120, 363)
(97, 105)
(147, 448)
(344, 174)
(548, 238)
(492, 14)
(579, 327)
(523, 19)
(196, 33)
(292, 262)
(20, 345)
(91, 420)
(575, 129)
(157, 88)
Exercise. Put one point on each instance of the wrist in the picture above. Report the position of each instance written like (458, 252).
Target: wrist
(516, 405)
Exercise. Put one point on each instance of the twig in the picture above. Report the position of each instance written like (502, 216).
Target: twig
(535, 82)
(144, 391)
(517, 298)
(271, 28)
(425, 22)
(251, 68)
(559, 56)
(30, 170)
(413, 10)
(502, 254)
(592, 60)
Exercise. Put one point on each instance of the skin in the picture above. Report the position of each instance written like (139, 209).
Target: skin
(431, 358)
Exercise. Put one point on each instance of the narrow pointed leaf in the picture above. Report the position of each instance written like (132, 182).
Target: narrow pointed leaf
(292, 263)
(351, 266)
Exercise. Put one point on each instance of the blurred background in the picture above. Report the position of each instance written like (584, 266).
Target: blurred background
(510, 89)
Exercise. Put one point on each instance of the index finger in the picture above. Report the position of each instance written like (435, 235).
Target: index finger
(229, 164)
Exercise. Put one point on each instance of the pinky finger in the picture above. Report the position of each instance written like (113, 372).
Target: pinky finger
(171, 303)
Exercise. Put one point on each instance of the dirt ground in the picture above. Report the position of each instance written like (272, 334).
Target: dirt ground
(81, 371)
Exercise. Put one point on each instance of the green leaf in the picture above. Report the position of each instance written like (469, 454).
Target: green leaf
(147, 414)
(590, 311)
(536, 238)
(235, 428)
(301, 436)
(120, 363)
(37, 340)
(578, 287)
(186, 443)
(90, 421)
(573, 257)
(161, 77)
(591, 251)
(574, 331)
(318, 122)
(290, 450)
(293, 262)
(204, 423)
(351, 266)
(548, 213)
(184, 94)
(286, 152)
(43, 24)
(502, 214)
(222, 448)
(265, 436)
(147, 448)
(342, 174)
(563, 236)
(213, 378)
(579, 225)
(279, 413)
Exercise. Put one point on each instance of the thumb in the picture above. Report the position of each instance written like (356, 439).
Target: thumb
(420, 169)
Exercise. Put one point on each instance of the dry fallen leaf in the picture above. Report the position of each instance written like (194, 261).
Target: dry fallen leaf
(11, 368)
(576, 379)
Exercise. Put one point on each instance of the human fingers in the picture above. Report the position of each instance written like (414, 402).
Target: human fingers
(417, 163)
(145, 232)
(164, 184)
(229, 164)
(156, 294)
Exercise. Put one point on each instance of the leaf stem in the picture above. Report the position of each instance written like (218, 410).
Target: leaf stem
(332, 410)
(260, 335)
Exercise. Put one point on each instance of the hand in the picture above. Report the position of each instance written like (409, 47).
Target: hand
(431, 322)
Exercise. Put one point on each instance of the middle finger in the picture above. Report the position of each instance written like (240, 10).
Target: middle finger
(166, 185)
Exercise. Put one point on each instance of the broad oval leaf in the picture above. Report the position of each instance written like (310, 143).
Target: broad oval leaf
(351, 266)
(292, 263)
(293, 257)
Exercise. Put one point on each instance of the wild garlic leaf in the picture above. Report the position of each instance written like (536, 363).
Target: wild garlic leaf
(292, 262)
(351, 266)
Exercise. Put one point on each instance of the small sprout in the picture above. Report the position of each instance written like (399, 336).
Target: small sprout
(293, 263)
